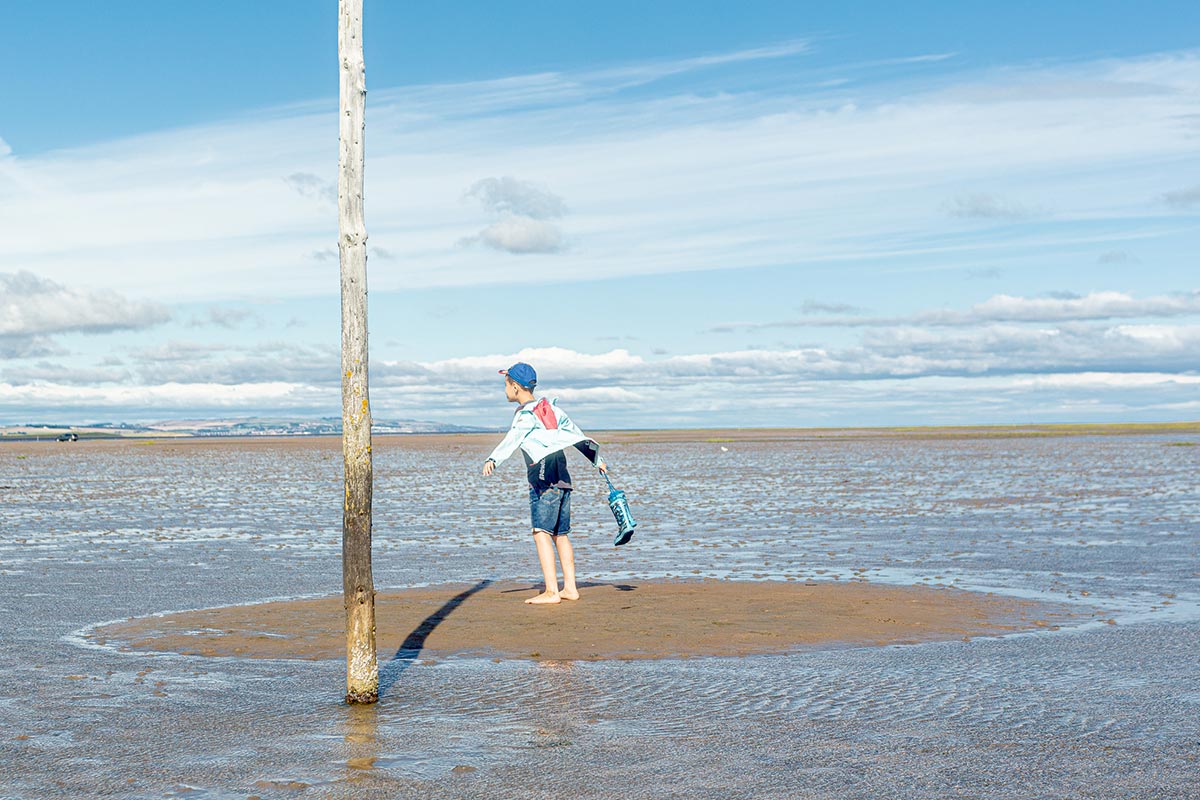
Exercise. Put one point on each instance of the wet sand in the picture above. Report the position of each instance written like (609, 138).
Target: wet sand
(622, 620)
(113, 530)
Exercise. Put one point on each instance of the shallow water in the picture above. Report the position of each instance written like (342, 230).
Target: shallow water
(92, 532)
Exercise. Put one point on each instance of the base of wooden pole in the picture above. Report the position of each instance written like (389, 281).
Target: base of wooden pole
(361, 698)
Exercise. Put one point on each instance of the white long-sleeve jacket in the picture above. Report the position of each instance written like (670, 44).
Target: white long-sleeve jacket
(540, 428)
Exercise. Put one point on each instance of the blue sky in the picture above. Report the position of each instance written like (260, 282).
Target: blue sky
(754, 214)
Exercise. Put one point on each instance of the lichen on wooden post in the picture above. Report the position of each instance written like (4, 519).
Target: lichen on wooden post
(358, 586)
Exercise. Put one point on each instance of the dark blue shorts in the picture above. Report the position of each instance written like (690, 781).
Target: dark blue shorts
(551, 511)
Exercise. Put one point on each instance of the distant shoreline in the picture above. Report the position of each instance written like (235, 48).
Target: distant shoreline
(648, 436)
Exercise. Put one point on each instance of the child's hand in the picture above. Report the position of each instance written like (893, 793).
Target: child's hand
(489, 467)
(600, 465)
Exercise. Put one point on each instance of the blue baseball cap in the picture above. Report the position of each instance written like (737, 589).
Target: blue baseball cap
(522, 374)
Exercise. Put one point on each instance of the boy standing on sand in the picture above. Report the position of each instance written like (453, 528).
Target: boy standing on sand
(543, 431)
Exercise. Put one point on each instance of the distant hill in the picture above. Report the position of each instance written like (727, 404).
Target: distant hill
(326, 426)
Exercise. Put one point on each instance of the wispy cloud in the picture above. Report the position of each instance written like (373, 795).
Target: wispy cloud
(814, 307)
(1008, 308)
(1094, 306)
(981, 205)
(1116, 257)
(658, 182)
(640, 74)
(1184, 198)
(984, 273)
(222, 317)
(309, 185)
(799, 175)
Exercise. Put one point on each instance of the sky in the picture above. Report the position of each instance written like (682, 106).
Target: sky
(751, 214)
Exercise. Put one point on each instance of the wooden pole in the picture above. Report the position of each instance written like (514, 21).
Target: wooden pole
(358, 587)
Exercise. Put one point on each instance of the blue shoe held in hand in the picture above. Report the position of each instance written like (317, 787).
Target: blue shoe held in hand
(620, 509)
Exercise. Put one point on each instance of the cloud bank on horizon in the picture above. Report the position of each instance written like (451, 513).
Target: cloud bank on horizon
(850, 245)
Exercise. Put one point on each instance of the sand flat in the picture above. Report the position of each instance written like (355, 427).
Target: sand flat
(112, 530)
(620, 620)
(174, 441)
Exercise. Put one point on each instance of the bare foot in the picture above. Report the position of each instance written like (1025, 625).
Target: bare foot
(569, 594)
(544, 598)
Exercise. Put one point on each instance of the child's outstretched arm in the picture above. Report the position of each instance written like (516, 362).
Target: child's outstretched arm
(522, 424)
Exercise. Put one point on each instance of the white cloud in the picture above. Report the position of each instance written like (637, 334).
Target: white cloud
(17, 347)
(560, 362)
(519, 235)
(1009, 339)
(1000, 349)
(524, 209)
(901, 352)
(657, 399)
(46, 372)
(1108, 380)
(508, 195)
(170, 397)
(1173, 336)
(34, 310)
(598, 394)
(30, 306)
(189, 362)
(883, 354)
(995, 372)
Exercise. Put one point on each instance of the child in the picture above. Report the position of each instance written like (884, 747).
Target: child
(543, 431)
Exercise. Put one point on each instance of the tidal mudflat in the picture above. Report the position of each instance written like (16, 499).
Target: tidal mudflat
(1100, 702)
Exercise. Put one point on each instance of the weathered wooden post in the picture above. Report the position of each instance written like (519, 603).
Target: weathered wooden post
(358, 587)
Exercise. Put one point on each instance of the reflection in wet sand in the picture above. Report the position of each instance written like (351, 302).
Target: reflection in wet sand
(361, 735)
